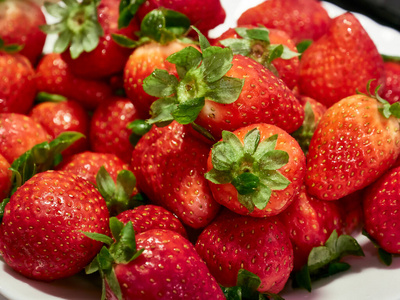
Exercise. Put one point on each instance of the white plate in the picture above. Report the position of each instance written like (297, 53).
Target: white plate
(367, 278)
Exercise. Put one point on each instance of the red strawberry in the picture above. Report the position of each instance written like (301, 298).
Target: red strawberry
(309, 222)
(256, 170)
(258, 245)
(340, 62)
(98, 56)
(5, 178)
(169, 165)
(147, 217)
(19, 24)
(18, 134)
(60, 115)
(352, 211)
(381, 208)
(17, 84)
(54, 76)
(108, 128)
(353, 145)
(392, 83)
(301, 19)
(264, 49)
(40, 232)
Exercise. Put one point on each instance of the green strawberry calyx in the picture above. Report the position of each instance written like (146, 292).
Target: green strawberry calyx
(127, 10)
(304, 134)
(246, 288)
(78, 27)
(324, 261)
(120, 250)
(201, 76)
(118, 195)
(255, 43)
(251, 167)
(385, 257)
(9, 48)
(47, 97)
(161, 25)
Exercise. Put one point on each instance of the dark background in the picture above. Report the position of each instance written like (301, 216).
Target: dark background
(385, 12)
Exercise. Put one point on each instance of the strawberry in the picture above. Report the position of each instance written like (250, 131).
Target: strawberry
(301, 19)
(57, 115)
(392, 83)
(352, 211)
(19, 24)
(108, 128)
(5, 178)
(17, 86)
(271, 47)
(340, 62)
(41, 231)
(147, 217)
(355, 142)
(169, 165)
(154, 264)
(18, 134)
(54, 76)
(256, 170)
(258, 245)
(309, 222)
(95, 57)
(220, 91)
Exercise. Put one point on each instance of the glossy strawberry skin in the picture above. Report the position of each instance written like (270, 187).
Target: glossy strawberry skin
(264, 99)
(5, 178)
(141, 63)
(352, 146)
(340, 62)
(18, 86)
(58, 117)
(147, 217)
(301, 19)
(108, 57)
(19, 24)
(169, 165)
(381, 207)
(288, 69)
(108, 131)
(259, 245)
(18, 134)
(309, 223)
(392, 83)
(168, 268)
(54, 76)
(40, 232)
(204, 14)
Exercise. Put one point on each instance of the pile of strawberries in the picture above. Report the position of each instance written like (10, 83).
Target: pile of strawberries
(177, 166)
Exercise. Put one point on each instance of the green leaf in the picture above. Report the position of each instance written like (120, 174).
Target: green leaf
(395, 109)
(139, 127)
(188, 111)
(161, 111)
(384, 256)
(226, 90)
(273, 160)
(251, 141)
(238, 46)
(105, 184)
(160, 83)
(261, 34)
(113, 283)
(303, 45)
(99, 237)
(204, 43)
(275, 51)
(125, 249)
(246, 183)
(304, 134)
(124, 41)
(218, 177)
(116, 228)
(265, 146)
(185, 59)
(302, 279)
(262, 196)
(216, 63)
(274, 180)
(127, 10)
(3, 207)
(47, 97)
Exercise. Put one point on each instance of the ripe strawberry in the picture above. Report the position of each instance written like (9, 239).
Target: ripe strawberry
(54, 76)
(221, 91)
(256, 170)
(340, 62)
(5, 178)
(169, 165)
(381, 208)
(147, 217)
(17, 84)
(392, 84)
(95, 57)
(108, 128)
(40, 232)
(57, 115)
(352, 211)
(18, 134)
(309, 223)
(161, 264)
(259, 245)
(301, 19)
(355, 142)
(273, 48)
(19, 24)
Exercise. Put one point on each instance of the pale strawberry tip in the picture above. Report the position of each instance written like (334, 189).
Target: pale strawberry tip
(252, 167)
